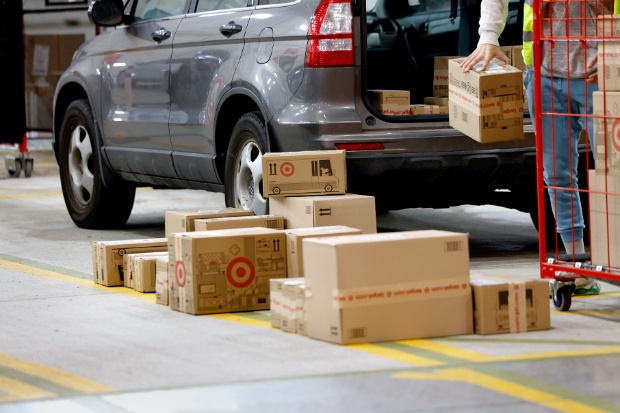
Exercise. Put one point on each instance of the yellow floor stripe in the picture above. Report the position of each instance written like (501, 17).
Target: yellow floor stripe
(506, 387)
(232, 317)
(35, 195)
(396, 355)
(558, 354)
(27, 269)
(54, 375)
(17, 391)
(447, 350)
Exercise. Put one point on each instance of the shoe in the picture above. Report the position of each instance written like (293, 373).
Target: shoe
(586, 286)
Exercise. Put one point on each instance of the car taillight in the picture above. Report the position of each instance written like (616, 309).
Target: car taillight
(330, 38)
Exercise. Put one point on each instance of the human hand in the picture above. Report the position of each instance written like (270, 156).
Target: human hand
(593, 78)
(483, 53)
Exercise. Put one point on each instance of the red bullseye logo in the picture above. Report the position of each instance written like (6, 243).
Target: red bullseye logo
(181, 275)
(240, 272)
(287, 169)
(615, 134)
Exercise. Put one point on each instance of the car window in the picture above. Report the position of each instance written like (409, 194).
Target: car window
(210, 5)
(430, 5)
(157, 9)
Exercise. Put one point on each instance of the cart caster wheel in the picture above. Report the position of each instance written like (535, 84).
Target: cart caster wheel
(563, 298)
(15, 169)
(28, 167)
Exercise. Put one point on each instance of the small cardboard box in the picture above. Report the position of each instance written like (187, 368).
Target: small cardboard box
(604, 219)
(487, 106)
(276, 303)
(608, 25)
(223, 271)
(265, 221)
(510, 304)
(606, 108)
(387, 286)
(294, 297)
(350, 210)
(440, 75)
(609, 65)
(145, 271)
(514, 53)
(428, 109)
(294, 244)
(161, 280)
(391, 102)
(109, 259)
(183, 221)
(437, 101)
(304, 173)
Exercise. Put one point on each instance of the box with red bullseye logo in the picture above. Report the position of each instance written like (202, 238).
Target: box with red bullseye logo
(304, 173)
(223, 271)
(606, 108)
(387, 286)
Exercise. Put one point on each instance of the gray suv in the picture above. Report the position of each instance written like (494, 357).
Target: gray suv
(190, 93)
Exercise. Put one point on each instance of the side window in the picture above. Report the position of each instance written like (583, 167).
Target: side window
(265, 2)
(157, 9)
(430, 5)
(211, 5)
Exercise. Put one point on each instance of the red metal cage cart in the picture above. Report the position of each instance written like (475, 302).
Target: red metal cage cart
(576, 47)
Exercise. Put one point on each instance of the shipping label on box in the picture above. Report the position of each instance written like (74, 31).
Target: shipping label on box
(387, 286)
(294, 244)
(604, 208)
(304, 173)
(440, 75)
(351, 210)
(609, 66)
(487, 106)
(391, 102)
(224, 271)
(183, 221)
(606, 108)
(265, 221)
(510, 304)
(161, 280)
(110, 268)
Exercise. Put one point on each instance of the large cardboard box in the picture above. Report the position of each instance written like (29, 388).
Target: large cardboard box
(606, 108)
(108, 270)
(265, 221)
(440, 75)
(391, 102)
(510, 304)
(350, 210)
(604, 219)
(304, 173)
(487, 106)
(183, 221)
(294, 244)
(387, 286)
(229, 270)
(609, 65)
(161, 280)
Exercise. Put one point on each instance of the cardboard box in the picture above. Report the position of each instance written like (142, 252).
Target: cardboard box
(390, 102)
(145, 271)
(514, 53)
(608, 25)
(223, 271)
(606, 109)
(161, 280)
(487, 106)
(265, 221)
(304, 173)
(440, 75)
(109, 257)
(350, 210)
(604, 219)
(437, 100)
(294, 244)
(609, 66)
(428, 109)
(183, 221)
(510, 304)
(294, 297)
(276, 303)
(387, 286)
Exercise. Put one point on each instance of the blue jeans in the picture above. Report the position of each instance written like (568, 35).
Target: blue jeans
(560, 148)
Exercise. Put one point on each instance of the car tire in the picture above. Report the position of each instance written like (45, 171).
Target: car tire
(244, 170)
(90, 203)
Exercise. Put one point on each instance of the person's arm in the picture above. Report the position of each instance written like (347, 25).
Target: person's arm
(493, 15)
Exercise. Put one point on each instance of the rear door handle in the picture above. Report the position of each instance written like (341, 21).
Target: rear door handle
(230, 28)
(160, 35)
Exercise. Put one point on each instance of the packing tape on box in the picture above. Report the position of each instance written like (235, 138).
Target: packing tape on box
(517, 312)
(422, 290)
(180, 272)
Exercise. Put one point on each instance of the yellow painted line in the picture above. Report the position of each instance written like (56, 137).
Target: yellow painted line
(558, 354)
(34, 195)
(27, 269)
(17, 390)
(232, 317)
(396, 355)
(54, 375)
(505, 387)
(447, 350)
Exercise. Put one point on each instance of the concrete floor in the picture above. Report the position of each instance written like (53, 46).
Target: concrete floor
(67, 345)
